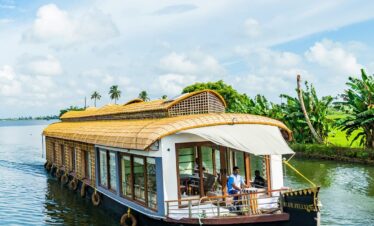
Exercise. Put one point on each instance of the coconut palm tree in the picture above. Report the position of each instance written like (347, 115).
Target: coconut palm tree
(114, 93)
(143, 95)
(357, 104)
(95, 96)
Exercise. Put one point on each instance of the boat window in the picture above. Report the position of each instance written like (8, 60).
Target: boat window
(189, 184)
(103, 168)
(87, 164)
(63, 162)
(151, 184)
(258, 163)
(126, 177)
(112, 171)
(207, 155)
(139, 179)
(239, 161)
(72, 159)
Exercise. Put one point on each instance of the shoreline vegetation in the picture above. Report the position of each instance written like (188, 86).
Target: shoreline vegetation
(335, 153)
(52, 117)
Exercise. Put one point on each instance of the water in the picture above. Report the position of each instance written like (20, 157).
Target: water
(28, 196)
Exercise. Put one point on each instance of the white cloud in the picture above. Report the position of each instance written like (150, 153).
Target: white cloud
(41, 65)
(333, 56)
(252, 27)
(173, 84)
(60, 27)
(9, 86)
(195, 62)
(177, 63)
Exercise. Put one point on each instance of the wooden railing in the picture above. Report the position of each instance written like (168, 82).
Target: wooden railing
(246, 203)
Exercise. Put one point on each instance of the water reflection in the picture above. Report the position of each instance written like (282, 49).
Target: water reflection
(66, 207)
(346, 190)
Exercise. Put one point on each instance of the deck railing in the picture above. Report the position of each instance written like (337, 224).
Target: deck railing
(246, 203)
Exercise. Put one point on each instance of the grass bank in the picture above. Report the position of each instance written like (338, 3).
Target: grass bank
(337, 153)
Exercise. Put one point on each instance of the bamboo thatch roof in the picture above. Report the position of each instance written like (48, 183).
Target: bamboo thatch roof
(138, 106)
(141, 134)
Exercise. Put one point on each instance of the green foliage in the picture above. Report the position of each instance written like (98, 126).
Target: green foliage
(357, 105)
(236, 102)
(318, 111)
(114, 93)
(71, 108)
(164, 97)
(144, 95)
(95, 96)
(334, 152)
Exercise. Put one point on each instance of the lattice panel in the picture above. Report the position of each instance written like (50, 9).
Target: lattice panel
(198, 104)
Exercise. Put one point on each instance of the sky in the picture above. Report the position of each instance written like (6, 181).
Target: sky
(53, 54)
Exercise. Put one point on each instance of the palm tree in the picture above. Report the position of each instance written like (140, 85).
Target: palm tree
(95, 96)
(114, 93)
(144, 95)
(357, 104)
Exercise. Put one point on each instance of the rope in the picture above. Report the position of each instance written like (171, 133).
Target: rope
(294, 169)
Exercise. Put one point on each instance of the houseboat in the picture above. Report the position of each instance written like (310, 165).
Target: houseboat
(167, 162)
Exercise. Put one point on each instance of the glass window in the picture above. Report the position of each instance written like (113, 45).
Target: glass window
(189, 183)
(239, 162)
(139, 179)
(207, 154)
(151, 185)
(72, 156)
(257, 163)
(112, 171)
(103, 169)
(87, 164)
(126, 178)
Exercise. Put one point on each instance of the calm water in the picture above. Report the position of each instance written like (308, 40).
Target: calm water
(29, 197)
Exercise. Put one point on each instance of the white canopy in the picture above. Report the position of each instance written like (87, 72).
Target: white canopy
(252, 138)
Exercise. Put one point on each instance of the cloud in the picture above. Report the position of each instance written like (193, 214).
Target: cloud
(182, 69)
(252, 27)
(40, 65)
(9, 86)
(175, 9)
(195, 62)
(56, 25)
(331, 55)
(173, 84)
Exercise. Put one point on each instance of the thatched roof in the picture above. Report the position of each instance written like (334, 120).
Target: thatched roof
(141, 134)
(139, 106)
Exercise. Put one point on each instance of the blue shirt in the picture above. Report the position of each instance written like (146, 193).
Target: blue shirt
(234, 179)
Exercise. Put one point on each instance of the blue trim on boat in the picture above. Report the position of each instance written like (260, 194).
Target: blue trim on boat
(160, 187)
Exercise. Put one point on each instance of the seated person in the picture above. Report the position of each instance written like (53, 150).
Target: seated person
(259, 182)
(235, 183)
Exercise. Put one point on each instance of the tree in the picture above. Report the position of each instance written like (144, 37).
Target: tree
(357, 104)
(236, 102)
(95, 96)
(164, 97)
(306, 116)
(71, 108)
(114, 93)
(318, 111)
(143, 95)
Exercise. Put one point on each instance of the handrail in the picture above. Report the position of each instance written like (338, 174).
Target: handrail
(225, 196)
